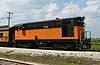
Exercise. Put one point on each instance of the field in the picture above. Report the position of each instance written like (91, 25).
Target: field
(95, 44)
(95, 40)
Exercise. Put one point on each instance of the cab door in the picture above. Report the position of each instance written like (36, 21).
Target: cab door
(67, 28)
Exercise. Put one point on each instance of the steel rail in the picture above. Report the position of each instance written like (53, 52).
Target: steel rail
(16, 61)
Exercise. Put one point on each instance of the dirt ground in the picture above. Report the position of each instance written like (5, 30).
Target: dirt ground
(48, 59)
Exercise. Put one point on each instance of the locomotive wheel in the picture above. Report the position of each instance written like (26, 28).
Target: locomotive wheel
(88, 45)
(80, 48)
(54, 46)
(36, 46)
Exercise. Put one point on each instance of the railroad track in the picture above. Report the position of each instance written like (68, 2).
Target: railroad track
(84, 50)
(46, 48)
(17, 62)
(42, 53)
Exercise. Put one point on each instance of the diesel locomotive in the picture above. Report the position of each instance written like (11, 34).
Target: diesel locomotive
(66, 33)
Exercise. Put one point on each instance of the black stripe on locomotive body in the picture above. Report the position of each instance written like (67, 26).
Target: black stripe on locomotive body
(48, 40)
(78, 21)
(58, 43)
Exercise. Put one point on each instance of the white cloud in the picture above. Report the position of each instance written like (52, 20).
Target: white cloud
(51, 8)
(15, 1)
(47, 12)
(9, 1)
(93, 8)
(3, 10)
(91, 11)
(69, 10)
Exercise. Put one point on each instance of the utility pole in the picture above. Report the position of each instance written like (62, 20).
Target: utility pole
(9, 17)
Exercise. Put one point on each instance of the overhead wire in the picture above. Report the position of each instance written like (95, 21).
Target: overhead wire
(56, 10)
(93, 17)
(2, 18)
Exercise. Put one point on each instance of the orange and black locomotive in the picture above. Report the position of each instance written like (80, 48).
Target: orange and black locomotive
(66, 33)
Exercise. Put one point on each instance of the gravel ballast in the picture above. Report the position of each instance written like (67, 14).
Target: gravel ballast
(37, 55)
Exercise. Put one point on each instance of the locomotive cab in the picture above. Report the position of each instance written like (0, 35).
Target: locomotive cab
(74, 29)
(84, 36)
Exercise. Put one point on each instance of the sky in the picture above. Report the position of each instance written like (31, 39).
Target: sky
(39, 10)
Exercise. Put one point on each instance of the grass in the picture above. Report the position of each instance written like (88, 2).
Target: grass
(95, 44)
(95, 40)
(66, 63)
(95, 47)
